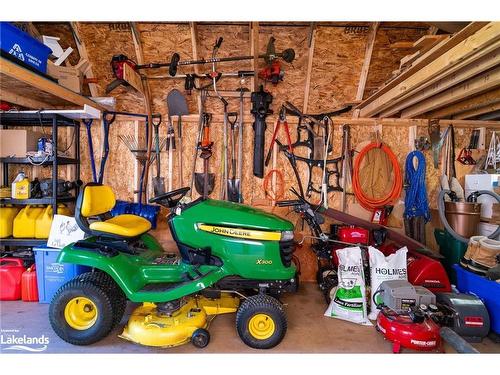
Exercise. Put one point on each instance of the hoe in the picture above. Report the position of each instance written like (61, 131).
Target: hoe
(233, 258)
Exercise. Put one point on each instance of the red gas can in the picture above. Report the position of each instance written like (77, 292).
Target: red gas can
(29, 285)
(11, 271)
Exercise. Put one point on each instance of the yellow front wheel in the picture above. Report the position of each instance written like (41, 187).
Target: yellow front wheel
(261, 321)
(81, 312)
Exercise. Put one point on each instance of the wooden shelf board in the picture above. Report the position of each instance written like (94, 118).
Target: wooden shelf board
(32, 89)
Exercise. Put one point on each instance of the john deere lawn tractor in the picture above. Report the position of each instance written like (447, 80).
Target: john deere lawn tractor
(233, 258)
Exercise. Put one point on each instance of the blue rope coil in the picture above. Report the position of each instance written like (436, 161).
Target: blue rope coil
(416, 193)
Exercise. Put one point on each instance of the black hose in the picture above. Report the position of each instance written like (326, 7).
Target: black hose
(450, 230)
(458, 343)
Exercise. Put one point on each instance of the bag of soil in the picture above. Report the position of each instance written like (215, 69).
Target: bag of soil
(382, 268)
(349, 301)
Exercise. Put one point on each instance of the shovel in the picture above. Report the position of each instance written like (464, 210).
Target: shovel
(233, 184)
(205, 182)
(177, 106)
(158, 182)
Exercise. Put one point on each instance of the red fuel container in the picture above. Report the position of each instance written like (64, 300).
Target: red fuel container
(11, 271)
(29, 285)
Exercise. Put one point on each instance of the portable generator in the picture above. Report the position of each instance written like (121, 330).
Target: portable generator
(412, 317)
(422, 270)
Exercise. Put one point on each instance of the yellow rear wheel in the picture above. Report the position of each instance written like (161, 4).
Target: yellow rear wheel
(261, 326)
(80, 313)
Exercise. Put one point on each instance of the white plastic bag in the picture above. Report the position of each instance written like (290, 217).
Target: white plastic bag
(349, 301)
(382, 268)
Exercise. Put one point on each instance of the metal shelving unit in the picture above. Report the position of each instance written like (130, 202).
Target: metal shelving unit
(53, 121)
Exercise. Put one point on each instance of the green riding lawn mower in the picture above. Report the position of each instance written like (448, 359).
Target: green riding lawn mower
(231, 258)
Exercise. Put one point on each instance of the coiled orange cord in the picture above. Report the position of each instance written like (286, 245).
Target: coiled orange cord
(372, 203)
(280, 182)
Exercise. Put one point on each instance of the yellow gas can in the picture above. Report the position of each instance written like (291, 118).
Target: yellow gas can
(24, 223)
(7, 215)
(44, 221)
(21, 188)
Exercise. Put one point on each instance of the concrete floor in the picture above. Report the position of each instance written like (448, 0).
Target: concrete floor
(308, 331)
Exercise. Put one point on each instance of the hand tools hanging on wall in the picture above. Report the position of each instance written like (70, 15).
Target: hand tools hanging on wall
(261, 101)
(224, 163)
(416, 213)
(158, 181)
(465, 155)
(132, 143)
(107, 119)
(328, 135)
(177, 106)
(240, 145)
(199, 137)
(224, 156)
(271, 55)
(205, 182)
(280, 121)
(346, 164)
(272, 72)
(313, 128)
(117, 63)
(232, 188)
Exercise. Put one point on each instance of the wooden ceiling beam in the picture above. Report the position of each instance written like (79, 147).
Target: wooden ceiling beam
(436, 52)
(484, 82)
(494, 107)
(475, 102)
(363, 77)
(490, 116)
(464, 53)
(486, 62)
(82, 51)
(401, 45)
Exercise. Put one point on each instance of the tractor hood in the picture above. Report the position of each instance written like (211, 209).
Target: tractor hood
(231, 214)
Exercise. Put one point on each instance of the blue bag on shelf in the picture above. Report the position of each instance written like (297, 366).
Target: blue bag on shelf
(23, 47)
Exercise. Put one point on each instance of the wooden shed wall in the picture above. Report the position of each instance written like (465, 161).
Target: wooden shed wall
(337, 61)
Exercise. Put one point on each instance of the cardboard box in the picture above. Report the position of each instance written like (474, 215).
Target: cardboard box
(68, 77)
(17, 142)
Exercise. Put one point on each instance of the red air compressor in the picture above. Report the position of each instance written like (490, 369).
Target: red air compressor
(409, 330)
(412, 317)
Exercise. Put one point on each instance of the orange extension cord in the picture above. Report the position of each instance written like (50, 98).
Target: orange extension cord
(372, 203)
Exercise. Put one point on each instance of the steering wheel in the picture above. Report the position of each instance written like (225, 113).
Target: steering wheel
(171, 198)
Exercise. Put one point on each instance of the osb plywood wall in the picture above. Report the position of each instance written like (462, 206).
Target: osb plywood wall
(338, 58)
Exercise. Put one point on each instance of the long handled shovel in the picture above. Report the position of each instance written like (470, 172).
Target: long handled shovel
(177, 106)
(240, 146)
(205, 182)
(232, 183)
(158, 181)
